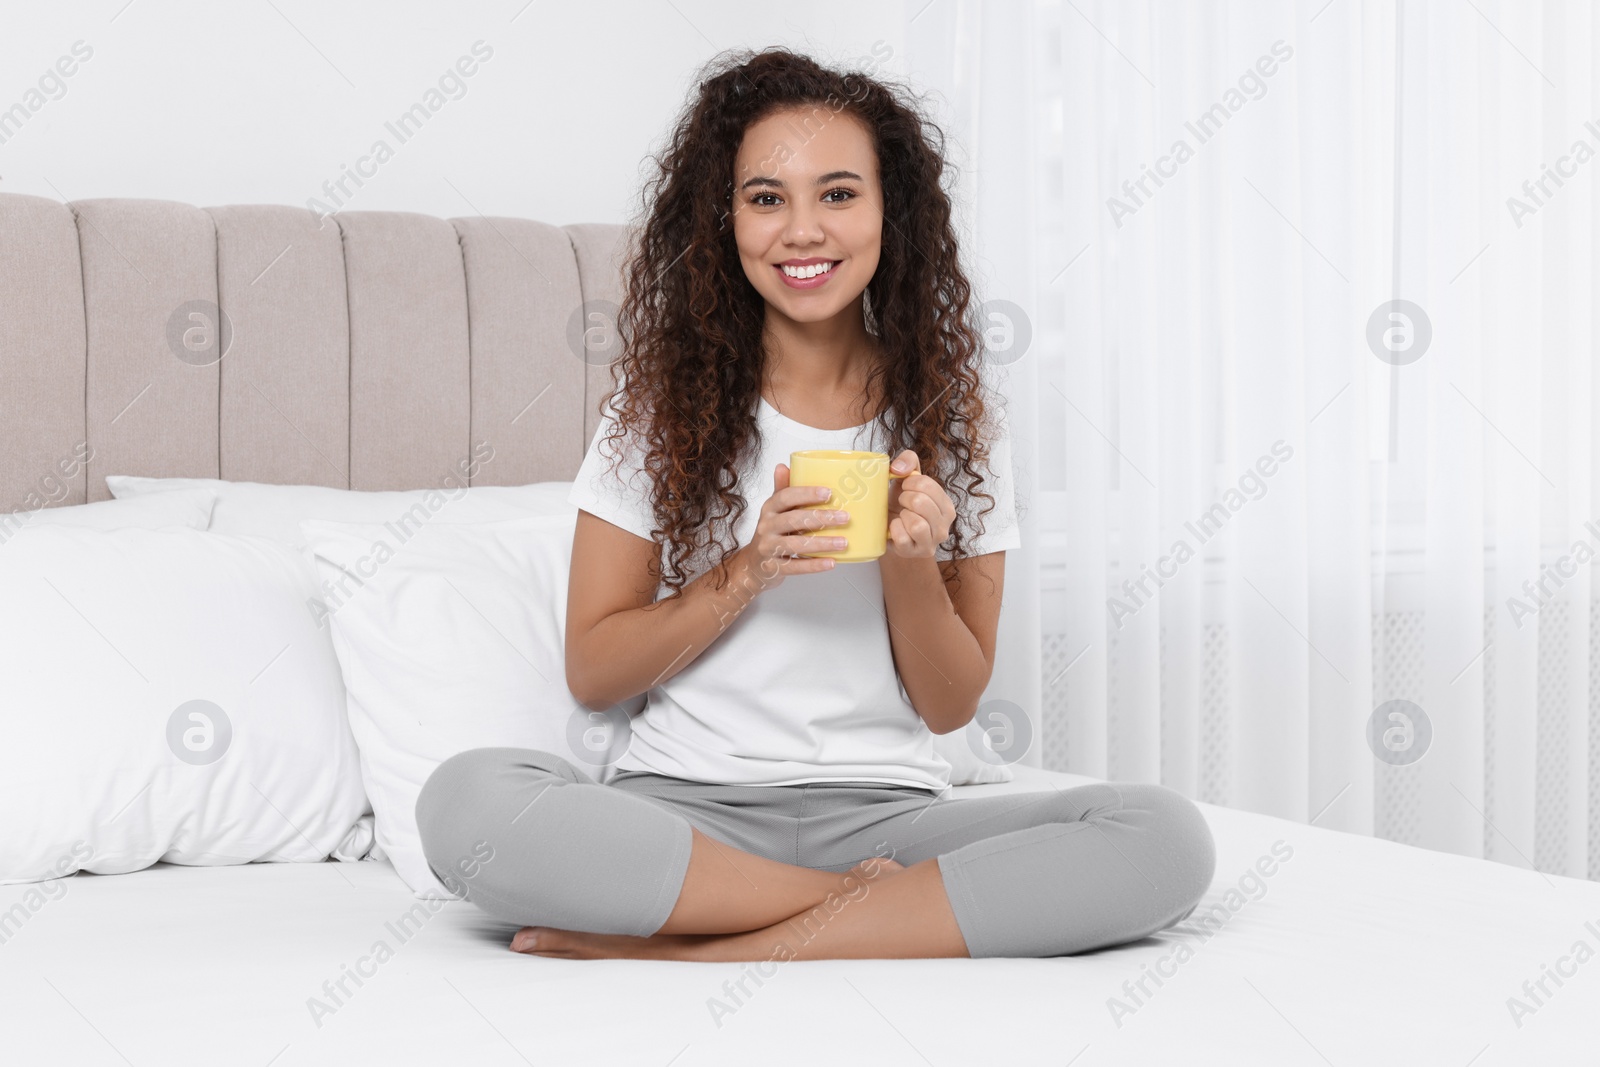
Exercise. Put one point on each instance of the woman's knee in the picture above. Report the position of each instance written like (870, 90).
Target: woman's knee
(533, 850)
(1165, 837)
(1180, 843)
(469, 792)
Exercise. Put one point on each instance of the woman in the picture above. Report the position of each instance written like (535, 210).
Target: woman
(796, 285)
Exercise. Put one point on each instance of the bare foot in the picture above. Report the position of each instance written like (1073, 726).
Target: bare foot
(579, 945)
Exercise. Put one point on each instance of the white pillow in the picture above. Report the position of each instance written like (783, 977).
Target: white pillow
(261, 509)
(451, 640)
(168, 696)
(190, 507)
(275, 511)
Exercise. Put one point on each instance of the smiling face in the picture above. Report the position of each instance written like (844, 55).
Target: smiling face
(808, 212)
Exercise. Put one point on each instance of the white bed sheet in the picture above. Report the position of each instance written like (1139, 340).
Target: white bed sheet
(1358, 951)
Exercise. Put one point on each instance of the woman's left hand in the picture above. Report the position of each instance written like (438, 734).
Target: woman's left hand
(920, 511)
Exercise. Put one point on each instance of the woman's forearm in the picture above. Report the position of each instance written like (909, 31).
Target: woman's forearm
(940, 662)
(629, 652)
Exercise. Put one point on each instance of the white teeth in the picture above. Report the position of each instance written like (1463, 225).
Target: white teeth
(807, 272)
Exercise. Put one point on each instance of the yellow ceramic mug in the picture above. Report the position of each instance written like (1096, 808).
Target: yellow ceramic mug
(860, 484)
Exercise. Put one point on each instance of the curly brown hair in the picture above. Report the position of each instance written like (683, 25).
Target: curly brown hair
(689, 376)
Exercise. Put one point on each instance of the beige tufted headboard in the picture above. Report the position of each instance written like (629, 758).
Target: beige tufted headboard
(372, 350)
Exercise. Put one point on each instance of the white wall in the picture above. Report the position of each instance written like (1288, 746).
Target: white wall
(262, 101)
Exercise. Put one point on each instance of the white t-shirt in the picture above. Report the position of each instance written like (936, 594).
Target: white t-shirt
(802, 685)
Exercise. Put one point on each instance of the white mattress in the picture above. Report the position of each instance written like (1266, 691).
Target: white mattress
(1359, 952)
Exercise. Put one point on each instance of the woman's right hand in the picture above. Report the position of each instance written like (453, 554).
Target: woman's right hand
(780, 534)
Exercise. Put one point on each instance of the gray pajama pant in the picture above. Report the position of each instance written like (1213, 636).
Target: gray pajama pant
(533, 840)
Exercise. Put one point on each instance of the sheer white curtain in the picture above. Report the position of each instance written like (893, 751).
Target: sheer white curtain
(1307, 419)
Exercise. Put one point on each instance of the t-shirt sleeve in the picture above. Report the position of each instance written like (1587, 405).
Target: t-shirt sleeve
(621, 496)
(1000, 527)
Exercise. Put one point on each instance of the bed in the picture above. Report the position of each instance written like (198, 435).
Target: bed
(1353, 951)
(367, 350)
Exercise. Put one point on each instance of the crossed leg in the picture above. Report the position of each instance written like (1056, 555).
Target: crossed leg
(876, 910)
(1027, 874)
